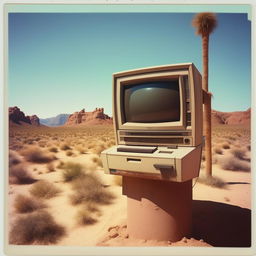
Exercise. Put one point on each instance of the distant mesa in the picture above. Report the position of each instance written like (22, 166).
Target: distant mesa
(16, 116)
(231, 118)
(89, 118)
(58, 120)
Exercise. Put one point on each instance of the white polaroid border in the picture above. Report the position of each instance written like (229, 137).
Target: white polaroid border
(197, 6)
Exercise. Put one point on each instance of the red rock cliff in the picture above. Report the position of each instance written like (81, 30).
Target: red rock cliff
(238, 117)
(16, 116)
(95, 117)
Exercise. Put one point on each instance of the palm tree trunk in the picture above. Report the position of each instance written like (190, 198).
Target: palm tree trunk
(205, 49)
(208, 133)
(207, 108)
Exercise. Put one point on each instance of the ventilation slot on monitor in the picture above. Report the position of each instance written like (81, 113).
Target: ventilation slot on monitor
(188, 117)
(188, 103)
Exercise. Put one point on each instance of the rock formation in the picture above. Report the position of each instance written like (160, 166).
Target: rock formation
(16, 116)
(95, 117)
(34, 120)
(238, 117)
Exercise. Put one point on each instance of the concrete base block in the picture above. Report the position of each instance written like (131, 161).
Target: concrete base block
(158, 210)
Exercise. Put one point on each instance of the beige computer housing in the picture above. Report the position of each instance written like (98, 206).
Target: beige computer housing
(165, 150)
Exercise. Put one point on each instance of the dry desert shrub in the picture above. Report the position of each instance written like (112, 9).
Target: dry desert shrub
(92, 207)
(50, 167)
(81, 149)
(36, 155)
(218, 150)
(53, 149)
(18, 174)
(96, 159)
(14, 158)
(61, 164)
(65, 146)
(231, 137)
(84, 217)
(44, 189)
(239, 152)
(225, 145)
(35, 228)
(25, 204)
(69, 153)
(42, 143)
(28, 141)
(98, 149)
(88, 189)
(212, 181)
(92, 144)
(229, 162)
(72, 171)
(111, 143)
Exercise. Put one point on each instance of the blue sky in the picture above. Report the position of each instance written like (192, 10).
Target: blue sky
(63, 62)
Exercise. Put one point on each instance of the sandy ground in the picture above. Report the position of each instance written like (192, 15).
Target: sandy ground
(221, 216)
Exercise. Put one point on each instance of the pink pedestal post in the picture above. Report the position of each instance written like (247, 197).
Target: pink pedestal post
(158, 210)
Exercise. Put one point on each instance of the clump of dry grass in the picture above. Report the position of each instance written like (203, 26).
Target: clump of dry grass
(212, 181)
(89, 189)
(96, 159)
(36, 155)
(14, 158)
(35, 228)
(72, 171)
(225, 145)
(218, 151)
(42, 143)
(238, 153)
(229, 162)
(84, 217)
(92, 207)
(231, 137)
(65, 146)
(18, 174)
(98, 149)
(110, 143)
(44, 189)
(69, 153)
(60, 165)
(28, 141)
(53, 149)
(81, 150)
(25, 204)
(50, 167)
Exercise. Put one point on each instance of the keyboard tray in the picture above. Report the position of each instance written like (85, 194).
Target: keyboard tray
(148, 150)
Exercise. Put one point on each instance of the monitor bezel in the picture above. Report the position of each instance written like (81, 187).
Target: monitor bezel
(129, 80)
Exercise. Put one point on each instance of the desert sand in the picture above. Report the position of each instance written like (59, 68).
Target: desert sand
(221, 213)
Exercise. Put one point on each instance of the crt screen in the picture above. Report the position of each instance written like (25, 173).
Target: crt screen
(152, 102)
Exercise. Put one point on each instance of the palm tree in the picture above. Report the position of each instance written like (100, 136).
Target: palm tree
(205, 23)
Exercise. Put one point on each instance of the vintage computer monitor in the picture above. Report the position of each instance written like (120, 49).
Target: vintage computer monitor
(157, 115)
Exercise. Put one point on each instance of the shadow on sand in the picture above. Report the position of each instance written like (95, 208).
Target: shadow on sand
(221, 225)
